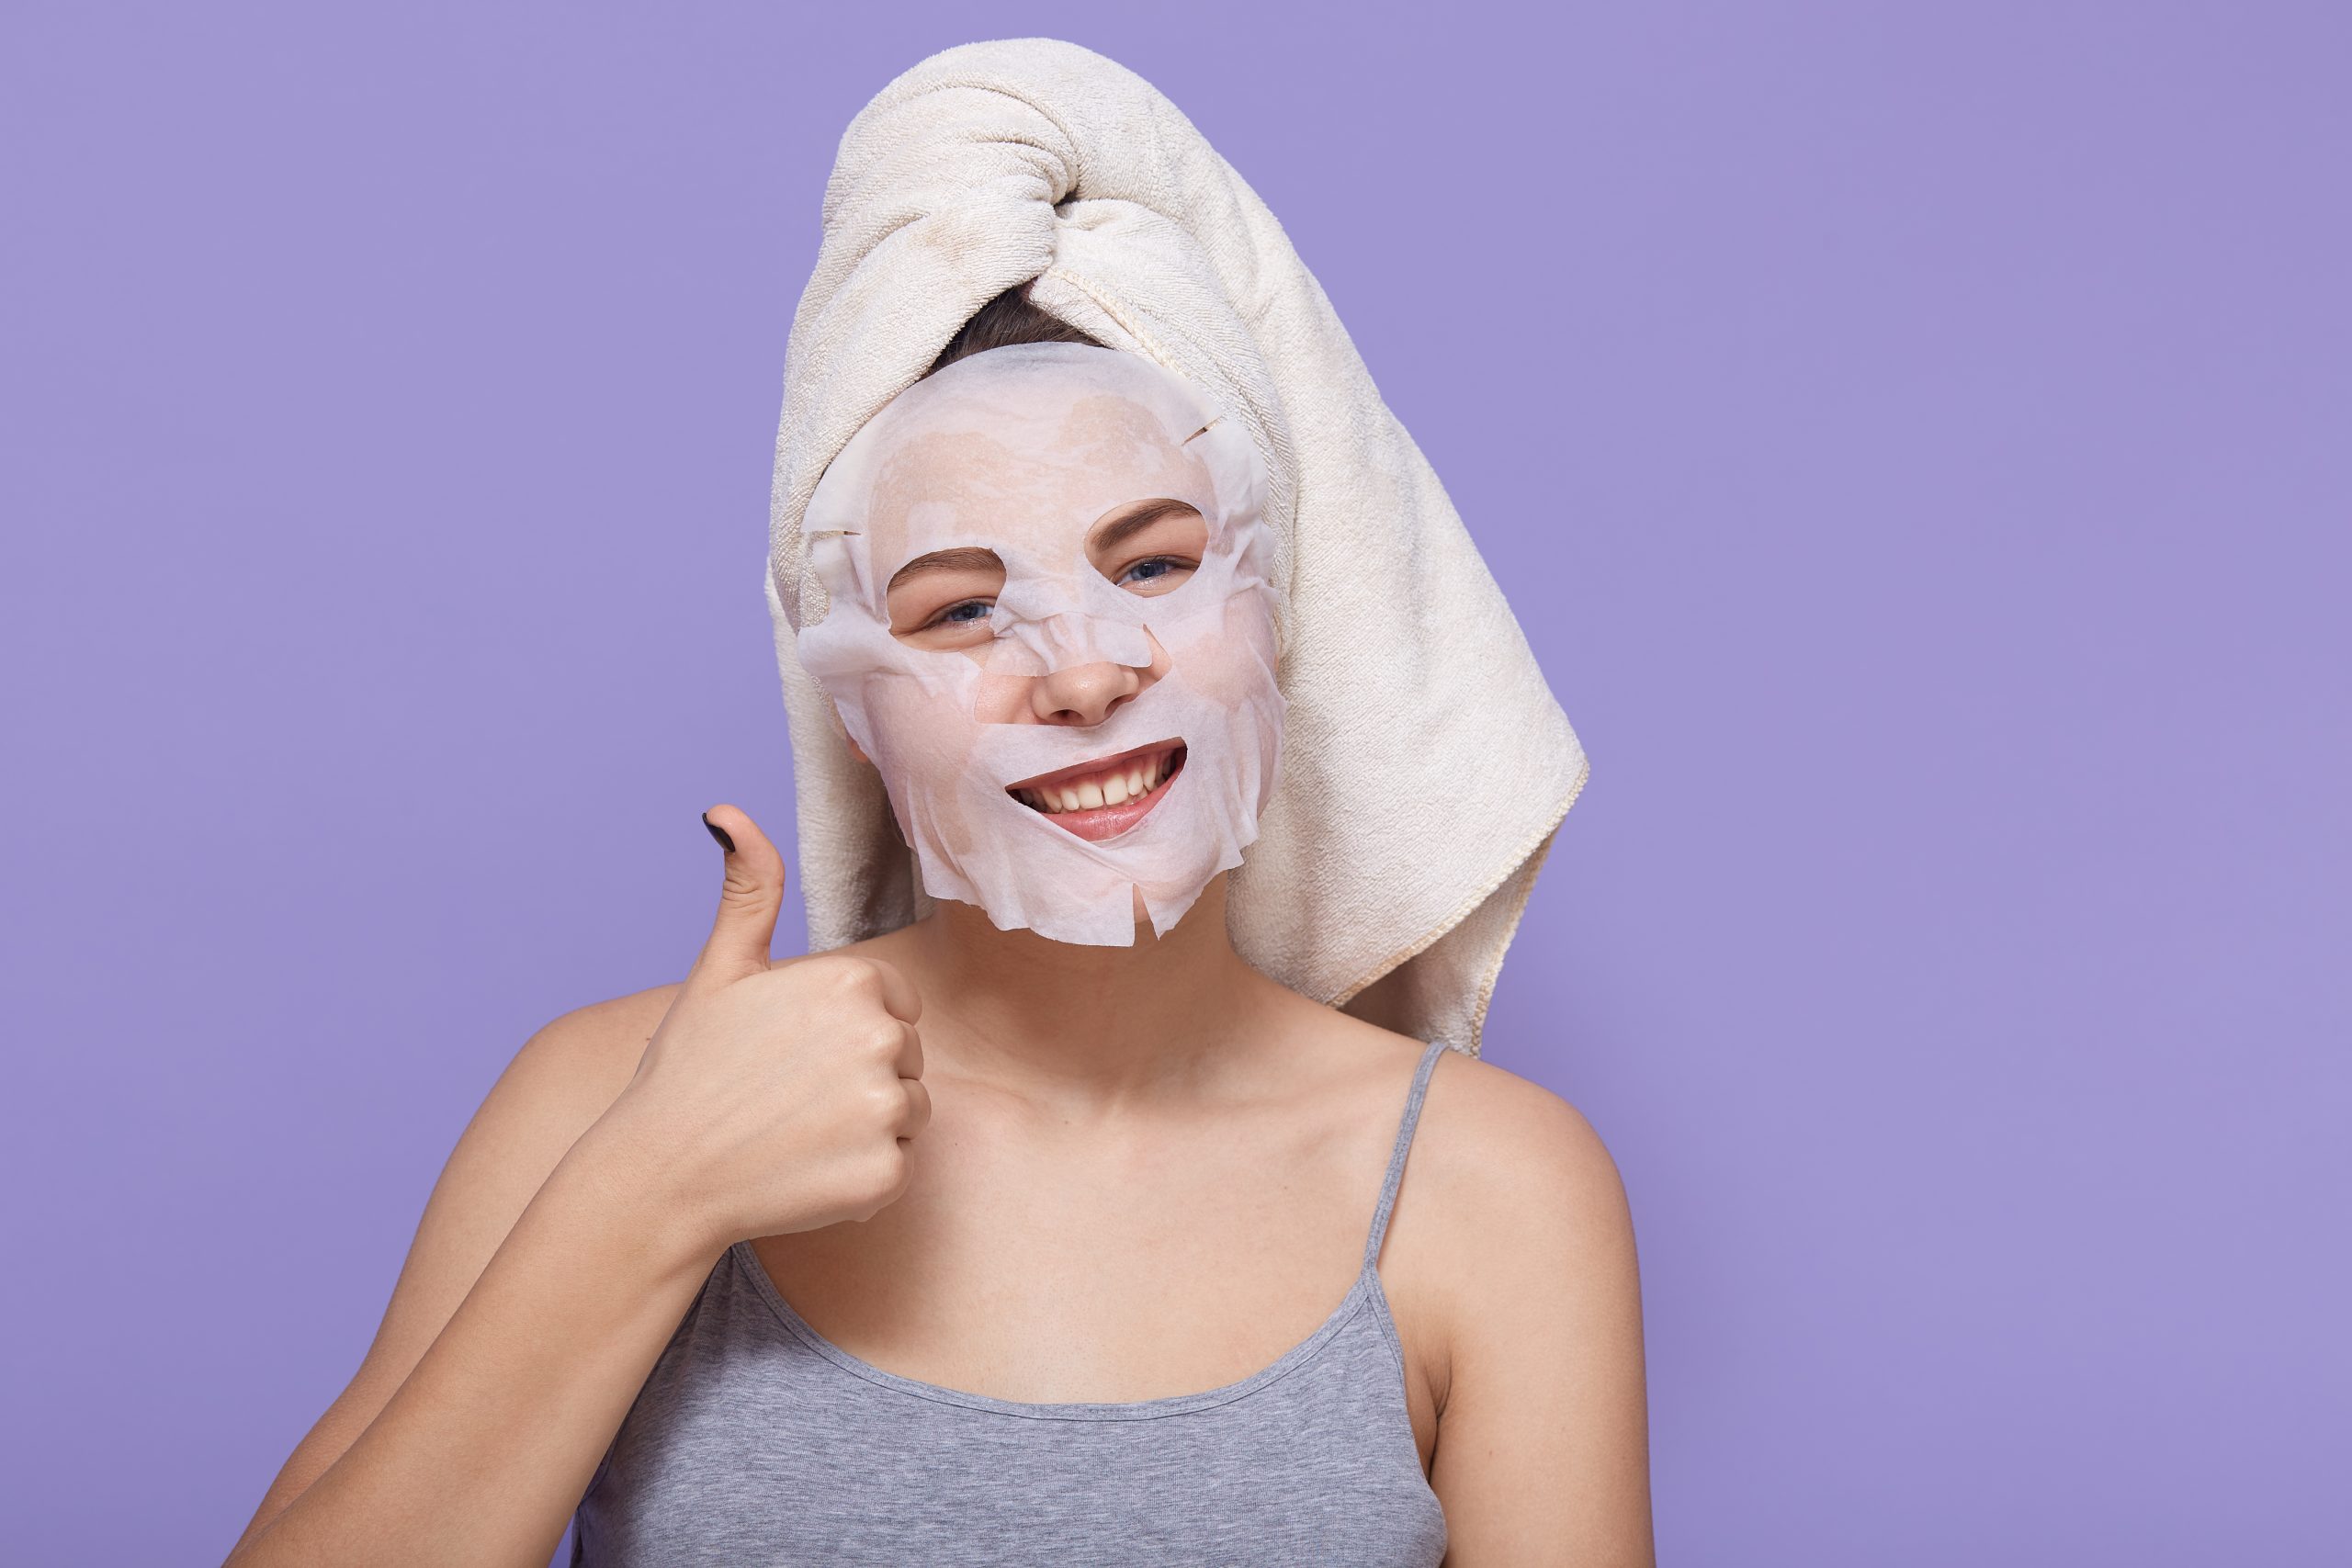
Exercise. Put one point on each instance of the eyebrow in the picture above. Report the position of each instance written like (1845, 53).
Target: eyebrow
(1119, 524)
(963, 558)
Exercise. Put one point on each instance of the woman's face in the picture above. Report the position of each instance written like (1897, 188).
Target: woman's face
(1050, 632)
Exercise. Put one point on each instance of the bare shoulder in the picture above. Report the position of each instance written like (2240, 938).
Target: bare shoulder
(1490, 1132)
(1524, 1192)
(1485, 1133)
(561, 1080)
(596, 1048)
(1543, 1432)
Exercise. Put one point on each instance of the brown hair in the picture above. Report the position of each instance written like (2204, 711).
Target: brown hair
(1004, 321)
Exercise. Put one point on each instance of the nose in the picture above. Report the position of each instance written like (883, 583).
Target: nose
(1083, 693)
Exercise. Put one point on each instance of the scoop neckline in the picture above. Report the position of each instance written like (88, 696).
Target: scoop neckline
(1367, 1279)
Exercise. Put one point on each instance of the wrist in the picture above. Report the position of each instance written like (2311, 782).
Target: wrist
(622, 1172)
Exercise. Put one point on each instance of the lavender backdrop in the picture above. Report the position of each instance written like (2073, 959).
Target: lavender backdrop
(1914, 439)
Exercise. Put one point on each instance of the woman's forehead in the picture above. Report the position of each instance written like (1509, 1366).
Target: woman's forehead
(1034, 482)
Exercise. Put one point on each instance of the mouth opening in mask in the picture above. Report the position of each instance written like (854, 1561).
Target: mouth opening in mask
(1102, 798)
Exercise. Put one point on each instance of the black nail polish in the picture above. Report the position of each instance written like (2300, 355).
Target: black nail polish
(720, 833)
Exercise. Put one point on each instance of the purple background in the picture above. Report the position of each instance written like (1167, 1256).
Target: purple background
(1917, 441)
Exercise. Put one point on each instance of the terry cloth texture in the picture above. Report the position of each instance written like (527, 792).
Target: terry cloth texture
(1425, 764)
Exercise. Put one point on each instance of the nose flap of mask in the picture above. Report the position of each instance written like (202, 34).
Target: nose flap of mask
(1041, 627)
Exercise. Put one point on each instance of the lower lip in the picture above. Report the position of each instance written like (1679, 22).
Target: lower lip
(1097, 822)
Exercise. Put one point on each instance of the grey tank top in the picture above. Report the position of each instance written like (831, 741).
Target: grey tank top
(756, 1440)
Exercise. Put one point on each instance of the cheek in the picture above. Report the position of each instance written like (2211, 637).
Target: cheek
(1234, 662)
(918, 730)
(926, 739)
(1003, 699)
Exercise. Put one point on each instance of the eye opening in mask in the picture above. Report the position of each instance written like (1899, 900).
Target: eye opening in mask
(1149, 547)
(940, 600)
(943, 599)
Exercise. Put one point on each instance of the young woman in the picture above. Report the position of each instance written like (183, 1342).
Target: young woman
(1039, 1223)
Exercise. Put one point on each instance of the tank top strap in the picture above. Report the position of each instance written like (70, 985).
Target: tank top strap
(1397, 1156)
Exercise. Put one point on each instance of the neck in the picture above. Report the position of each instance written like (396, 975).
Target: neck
(1100, 1023)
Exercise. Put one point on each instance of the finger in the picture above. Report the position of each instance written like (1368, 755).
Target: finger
(748, 898)
(918, 1115)
(899, 996)
(909, 1059)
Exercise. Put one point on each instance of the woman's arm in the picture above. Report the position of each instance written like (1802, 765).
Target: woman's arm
(1542, 1448)
(538, 1294)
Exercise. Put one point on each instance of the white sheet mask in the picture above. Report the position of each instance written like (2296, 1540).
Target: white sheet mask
(1023, 451)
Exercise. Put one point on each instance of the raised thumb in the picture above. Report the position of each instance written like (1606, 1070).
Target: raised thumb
(749, 899)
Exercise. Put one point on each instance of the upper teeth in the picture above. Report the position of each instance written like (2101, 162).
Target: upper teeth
(1137, 777)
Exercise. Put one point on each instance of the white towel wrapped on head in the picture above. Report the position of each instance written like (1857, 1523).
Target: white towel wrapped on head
(1425, 762)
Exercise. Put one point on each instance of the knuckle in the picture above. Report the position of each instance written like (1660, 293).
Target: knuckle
(833, 976)
(883, 1103)
(852, 984)
(854, 974)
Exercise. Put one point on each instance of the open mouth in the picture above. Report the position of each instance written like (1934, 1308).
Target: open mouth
(1096, 800)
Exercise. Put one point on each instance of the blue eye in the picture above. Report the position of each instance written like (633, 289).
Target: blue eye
(1153, 567)
(966, 613)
